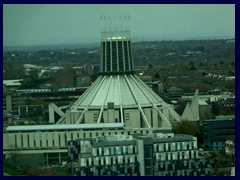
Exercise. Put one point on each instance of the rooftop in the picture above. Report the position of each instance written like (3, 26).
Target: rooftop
(16, 82)
(127, 91)
(63, 127)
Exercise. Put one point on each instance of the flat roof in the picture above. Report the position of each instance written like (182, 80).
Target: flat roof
(63, 127)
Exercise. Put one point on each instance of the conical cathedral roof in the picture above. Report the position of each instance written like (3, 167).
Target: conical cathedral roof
(127, 91)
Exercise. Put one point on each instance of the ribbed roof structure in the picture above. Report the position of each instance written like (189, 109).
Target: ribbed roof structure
(123, 90)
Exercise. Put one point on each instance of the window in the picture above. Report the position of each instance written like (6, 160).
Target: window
(110, 152)
(121, 149)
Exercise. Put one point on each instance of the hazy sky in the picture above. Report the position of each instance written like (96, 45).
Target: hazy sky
(60, 24)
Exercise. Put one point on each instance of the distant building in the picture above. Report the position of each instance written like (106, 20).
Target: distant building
(157, 86)
(96, 69)
(30, 111)
(230, 146)
(21, 97)
(216, 131)
(65, 81)
(12, 83)
(230, 78)
(83, 80)
(137, 155)
(174, 93)
(227, 102)
(88, 68)
(145, 77)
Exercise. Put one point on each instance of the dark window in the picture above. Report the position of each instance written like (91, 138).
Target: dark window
(126, 55)
(108, 57)
(120, 56)
(103, 54)
(130, 55)
(114, 56)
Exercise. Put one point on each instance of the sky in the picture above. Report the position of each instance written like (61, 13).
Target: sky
(35, 24)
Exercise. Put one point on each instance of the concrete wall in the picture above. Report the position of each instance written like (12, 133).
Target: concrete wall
(132, 118)
(148, 114)
(91, 116)
(57, 139)
(155, 118)
(9, 103)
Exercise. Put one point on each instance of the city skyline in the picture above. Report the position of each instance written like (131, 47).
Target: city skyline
(26, 25)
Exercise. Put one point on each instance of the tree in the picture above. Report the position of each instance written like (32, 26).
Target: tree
(214, 156)
(32, 80)
(156, 76)
(186, 127)
(192, 66)
(204, 74)
(221, 62)
(150, 66)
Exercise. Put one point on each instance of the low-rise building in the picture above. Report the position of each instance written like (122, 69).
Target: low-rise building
(137, 155)
(174, 93)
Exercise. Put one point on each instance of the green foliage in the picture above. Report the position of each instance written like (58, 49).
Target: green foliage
(11, 71)
(31, 80)
(220, 160)
(150, 66)
(60, 171)
(156, 76)
(184, 66)
(192, 66)
(186, 127)
(13, 171)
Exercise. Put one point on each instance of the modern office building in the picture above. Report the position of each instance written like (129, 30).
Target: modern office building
(216, 131)
(137, 155)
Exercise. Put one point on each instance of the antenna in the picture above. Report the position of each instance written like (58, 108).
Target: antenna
(115, 25)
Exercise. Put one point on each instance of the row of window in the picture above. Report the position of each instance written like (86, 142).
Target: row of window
(108, 160)
(176, 155)
(176, 146)
(116, 150)
(176, 168)
(54, 139)
(112, 170)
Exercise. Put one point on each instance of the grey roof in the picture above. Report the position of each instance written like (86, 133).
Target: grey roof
(114, 143)
(64, 127)
(176, 138)
(16, 82)
(125, 90)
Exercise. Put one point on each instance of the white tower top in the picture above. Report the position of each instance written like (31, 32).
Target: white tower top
(116, 26)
